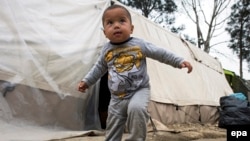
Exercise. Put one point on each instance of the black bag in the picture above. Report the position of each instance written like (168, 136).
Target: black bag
(233, 111)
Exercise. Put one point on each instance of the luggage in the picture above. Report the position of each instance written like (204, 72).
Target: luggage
(234, 111)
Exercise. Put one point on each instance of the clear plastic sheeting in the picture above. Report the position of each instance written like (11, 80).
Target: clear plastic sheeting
(49, 44)
(46, 47)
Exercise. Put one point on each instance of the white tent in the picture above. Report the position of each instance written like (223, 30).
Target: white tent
(47, 46)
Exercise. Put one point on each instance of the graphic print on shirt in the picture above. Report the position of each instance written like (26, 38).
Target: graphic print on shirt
(125, 69)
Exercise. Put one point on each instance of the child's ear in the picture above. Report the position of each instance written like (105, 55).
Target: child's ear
(132, 28)
(103, 31)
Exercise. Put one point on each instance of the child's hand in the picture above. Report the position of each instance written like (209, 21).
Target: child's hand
(186, 64)
(82, 86)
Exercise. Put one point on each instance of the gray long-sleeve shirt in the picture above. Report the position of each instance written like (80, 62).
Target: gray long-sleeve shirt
(126, 65)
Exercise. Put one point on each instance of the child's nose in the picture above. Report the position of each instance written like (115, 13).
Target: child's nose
(117, 24)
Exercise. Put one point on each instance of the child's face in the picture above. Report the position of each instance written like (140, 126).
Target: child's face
(117, 26)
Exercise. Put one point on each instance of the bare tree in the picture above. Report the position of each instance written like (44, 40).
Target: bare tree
(213, 21)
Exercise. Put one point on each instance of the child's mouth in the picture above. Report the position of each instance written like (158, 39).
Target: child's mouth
(117, 33)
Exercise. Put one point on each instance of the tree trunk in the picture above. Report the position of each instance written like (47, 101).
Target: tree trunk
(241, 48)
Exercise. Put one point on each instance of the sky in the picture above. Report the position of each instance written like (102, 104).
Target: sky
(228, 59)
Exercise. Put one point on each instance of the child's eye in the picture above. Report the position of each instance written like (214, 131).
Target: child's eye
(109, 23)
(122, 20)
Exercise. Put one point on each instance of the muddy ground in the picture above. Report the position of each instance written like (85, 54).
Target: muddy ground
(192, 132)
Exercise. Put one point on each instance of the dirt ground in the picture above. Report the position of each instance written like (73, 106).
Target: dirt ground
(192, 132)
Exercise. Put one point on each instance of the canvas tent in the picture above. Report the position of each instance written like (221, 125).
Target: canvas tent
(47, 46)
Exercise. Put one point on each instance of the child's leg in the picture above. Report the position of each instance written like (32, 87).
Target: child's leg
(138, 115)
(117, 115)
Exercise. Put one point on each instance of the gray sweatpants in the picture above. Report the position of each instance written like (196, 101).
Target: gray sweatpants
(134, 112)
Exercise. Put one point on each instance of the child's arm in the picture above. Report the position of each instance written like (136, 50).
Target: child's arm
(162, 55)
(166, 56)
(95, 73)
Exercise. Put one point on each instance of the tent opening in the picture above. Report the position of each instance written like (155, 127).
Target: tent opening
(104, 98)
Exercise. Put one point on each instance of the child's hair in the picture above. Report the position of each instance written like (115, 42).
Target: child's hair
(117, 6)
